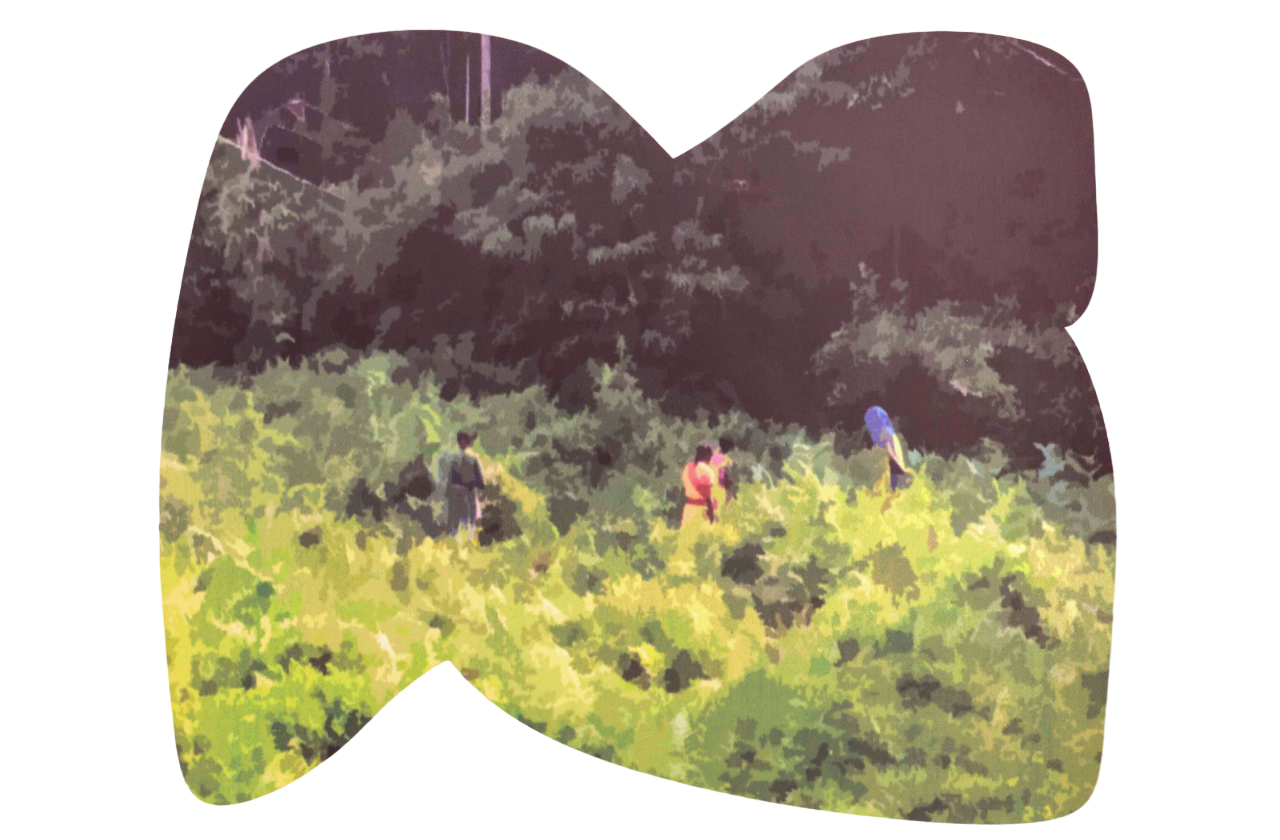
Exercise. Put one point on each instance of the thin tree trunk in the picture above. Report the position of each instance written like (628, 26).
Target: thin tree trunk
(444, 74)
(328, 88)
(897, 245)
(486, 112)
(468, 113)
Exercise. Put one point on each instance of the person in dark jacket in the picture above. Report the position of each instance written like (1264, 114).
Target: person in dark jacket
(462, 480)
(726, 473)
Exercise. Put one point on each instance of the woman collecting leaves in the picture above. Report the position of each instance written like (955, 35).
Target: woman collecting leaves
(883, 437)
(699, 479)
(726, 478)
(462, 478)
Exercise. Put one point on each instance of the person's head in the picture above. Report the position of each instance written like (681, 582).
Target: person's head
(726, 445)
(879, 425)
(703, 453)
(465, 439)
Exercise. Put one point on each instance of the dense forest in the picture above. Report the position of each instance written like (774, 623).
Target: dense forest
(907, 221)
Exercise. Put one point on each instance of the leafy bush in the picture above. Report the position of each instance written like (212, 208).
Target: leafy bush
(937, 653)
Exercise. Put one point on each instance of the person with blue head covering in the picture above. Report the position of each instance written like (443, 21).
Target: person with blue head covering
(884, 437)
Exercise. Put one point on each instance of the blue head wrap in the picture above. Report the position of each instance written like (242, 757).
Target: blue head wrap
(879, 425)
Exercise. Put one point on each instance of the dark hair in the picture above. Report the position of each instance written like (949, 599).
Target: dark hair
(465, 439)
(703, 453)
(726, 444)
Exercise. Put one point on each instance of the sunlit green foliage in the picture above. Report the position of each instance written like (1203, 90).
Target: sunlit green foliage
(939, 653)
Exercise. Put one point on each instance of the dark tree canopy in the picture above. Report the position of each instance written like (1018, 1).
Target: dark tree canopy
(907, 221)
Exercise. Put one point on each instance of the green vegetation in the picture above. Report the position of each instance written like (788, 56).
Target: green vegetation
(939, 653)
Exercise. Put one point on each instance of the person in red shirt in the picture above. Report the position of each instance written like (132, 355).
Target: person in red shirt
(699, 479)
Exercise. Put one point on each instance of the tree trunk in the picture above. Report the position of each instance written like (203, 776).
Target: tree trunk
(328, 86)
(897, 245)
(485, 109)
(468, 111)
(444, 75)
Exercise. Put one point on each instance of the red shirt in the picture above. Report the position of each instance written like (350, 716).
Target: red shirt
(698, 480)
